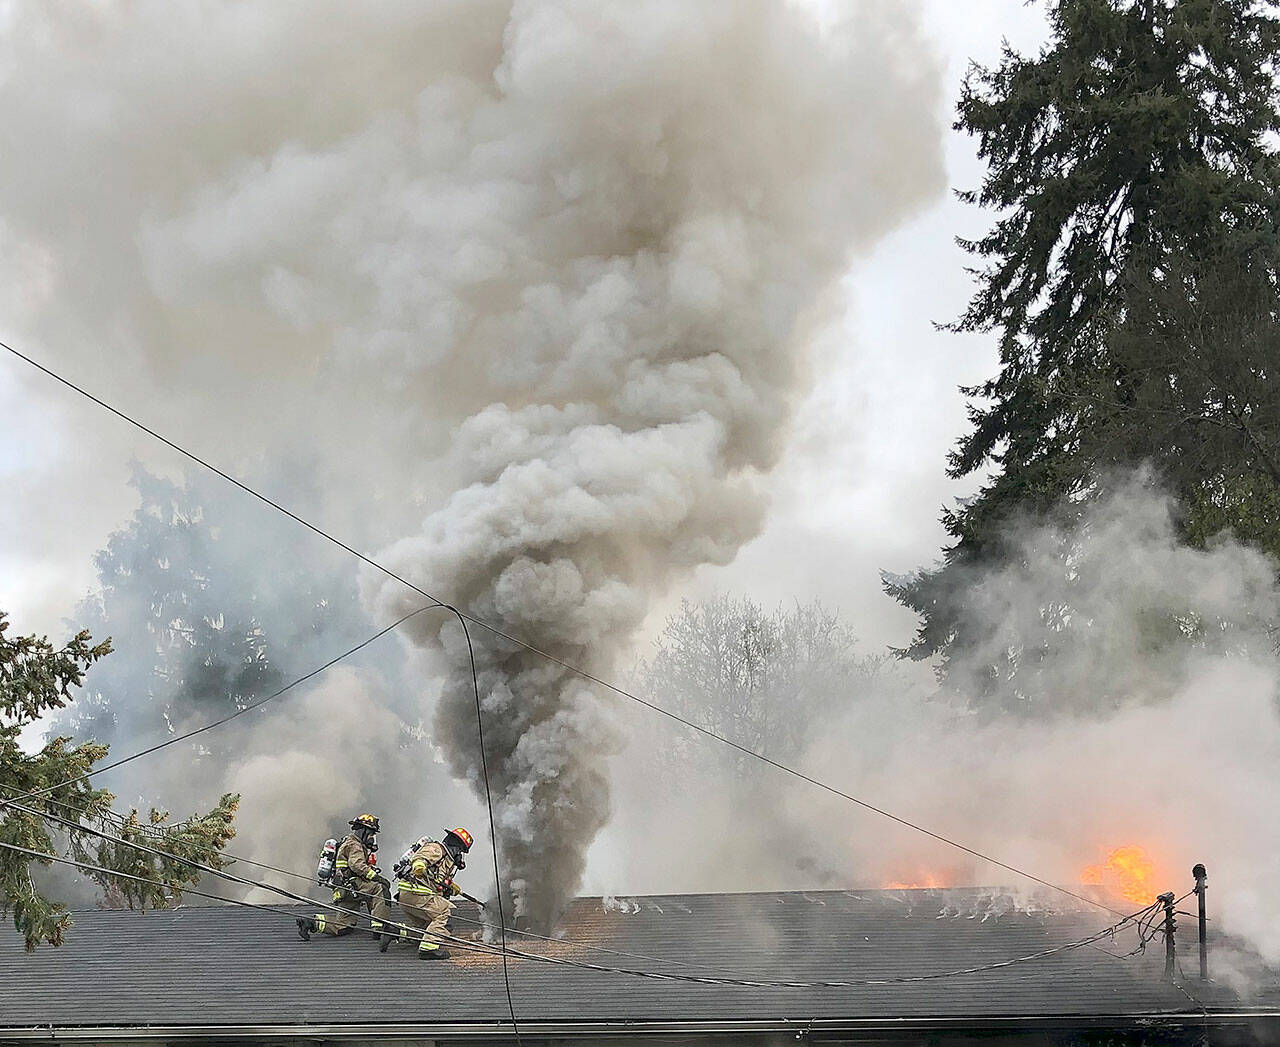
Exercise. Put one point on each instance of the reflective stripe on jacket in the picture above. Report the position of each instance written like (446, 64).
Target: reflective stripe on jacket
(352, 862)
(431, 870)
(409, 887)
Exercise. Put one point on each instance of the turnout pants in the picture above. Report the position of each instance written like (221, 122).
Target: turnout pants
(355, 898)
(426, 911)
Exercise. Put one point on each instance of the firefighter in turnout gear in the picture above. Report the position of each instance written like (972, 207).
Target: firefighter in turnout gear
(357, 884)
(425, 885)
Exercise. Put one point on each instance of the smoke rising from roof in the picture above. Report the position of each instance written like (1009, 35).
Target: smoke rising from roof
(539, 275)
(532, 281)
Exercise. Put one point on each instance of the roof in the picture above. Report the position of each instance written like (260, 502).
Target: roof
(210, 969)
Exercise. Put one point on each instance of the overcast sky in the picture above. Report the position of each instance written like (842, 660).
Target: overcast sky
(864, 485)
(859, 490)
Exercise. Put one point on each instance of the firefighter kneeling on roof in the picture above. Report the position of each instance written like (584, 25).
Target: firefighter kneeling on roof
(425, 885)
(356, 884)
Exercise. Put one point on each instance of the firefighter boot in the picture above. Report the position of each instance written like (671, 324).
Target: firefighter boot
(305, 926)
(387, 939)
(434, 954)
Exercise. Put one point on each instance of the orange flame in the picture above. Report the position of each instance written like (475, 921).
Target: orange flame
(1126, 870)
(927, 881)
(912, 877)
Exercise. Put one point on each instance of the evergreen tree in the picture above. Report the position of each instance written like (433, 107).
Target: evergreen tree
(1131, 275)
(35, 679)
(213, 612)
(198, 649)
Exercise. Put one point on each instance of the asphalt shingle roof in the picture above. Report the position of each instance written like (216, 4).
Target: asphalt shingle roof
(232, 966)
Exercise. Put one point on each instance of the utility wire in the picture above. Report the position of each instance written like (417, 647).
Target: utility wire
(736, 981)
(90, 867)
(574, 942)
(632, 972)
(232, 859)
(214, 469)
(493, 832)
(226, 719)
(584, 674)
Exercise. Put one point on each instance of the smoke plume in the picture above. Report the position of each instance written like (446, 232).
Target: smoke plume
(531, 278)
(630, 322)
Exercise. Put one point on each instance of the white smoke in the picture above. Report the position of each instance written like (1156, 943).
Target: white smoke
(539, 271)
(1150, 716)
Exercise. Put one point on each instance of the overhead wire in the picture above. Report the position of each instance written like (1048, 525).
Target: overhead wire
(738, 981)
(749, 983)
(533, 649)
(232, 859)
(493, 832)
(219, 722)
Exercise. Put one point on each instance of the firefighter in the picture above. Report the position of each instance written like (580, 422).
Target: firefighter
(357, 884)
(425, 885)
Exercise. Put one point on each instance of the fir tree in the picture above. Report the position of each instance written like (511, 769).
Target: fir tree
(1131, 276)
(37, 678)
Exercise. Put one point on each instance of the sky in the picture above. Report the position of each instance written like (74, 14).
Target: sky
(864, 484)
(859, 489)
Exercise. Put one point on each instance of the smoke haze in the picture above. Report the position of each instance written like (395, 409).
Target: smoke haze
(1150, 694)
(532, 280)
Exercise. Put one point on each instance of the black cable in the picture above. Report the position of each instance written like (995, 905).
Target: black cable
(572, 942)
(737, 981)
(42, 856)
(564, 962)
(214, 469)
(553, 658)
(310, 879)
(218, 723)
(493, 832)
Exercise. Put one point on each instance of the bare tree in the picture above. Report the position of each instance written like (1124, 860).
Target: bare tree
(764, 679)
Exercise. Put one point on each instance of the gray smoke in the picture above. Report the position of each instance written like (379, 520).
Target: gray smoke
(1151, 683)
(532, 278)
(630, 321)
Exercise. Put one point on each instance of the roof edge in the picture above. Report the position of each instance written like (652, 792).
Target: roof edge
(488, 1030)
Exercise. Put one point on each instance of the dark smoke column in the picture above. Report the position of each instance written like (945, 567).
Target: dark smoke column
(615, 267)
(560, 541)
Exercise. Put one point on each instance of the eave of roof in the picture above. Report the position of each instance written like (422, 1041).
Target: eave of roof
(390, 1032)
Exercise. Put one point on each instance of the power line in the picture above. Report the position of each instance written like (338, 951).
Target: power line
(1146, 929)
(232, 859)
(1137, 917)
(632, 972)
(214, 469)
(493, 832)
(226, 719)
(584, 674)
